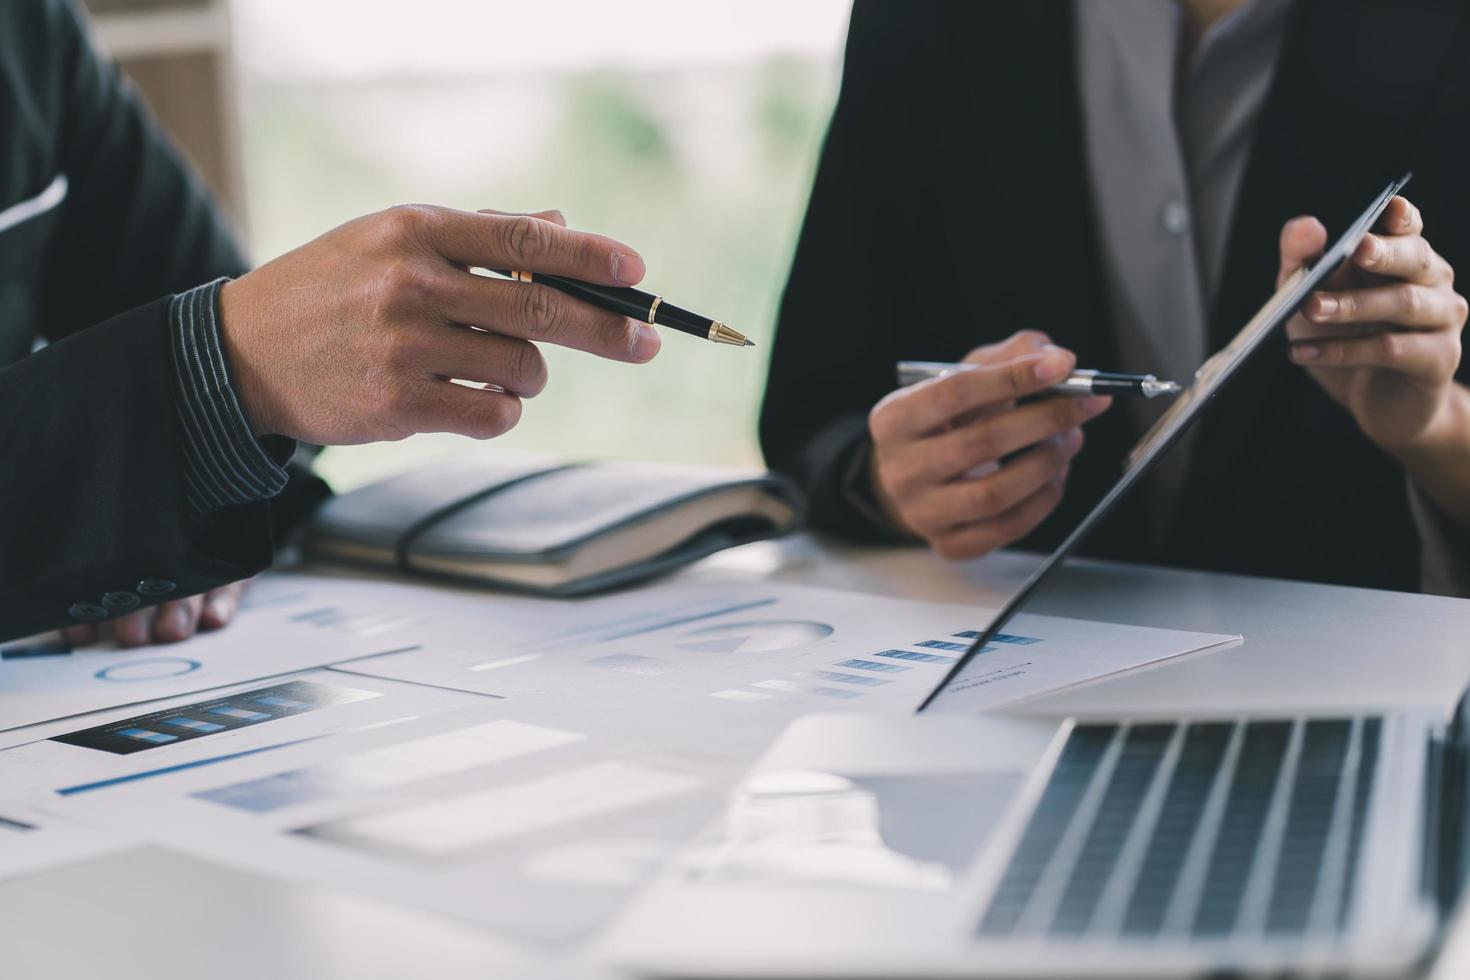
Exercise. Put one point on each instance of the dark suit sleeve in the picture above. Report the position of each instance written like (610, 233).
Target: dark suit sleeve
(137, 224)
(93, 500)
(833, 356)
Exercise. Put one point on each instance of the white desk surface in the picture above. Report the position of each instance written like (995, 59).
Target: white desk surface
(148, 912)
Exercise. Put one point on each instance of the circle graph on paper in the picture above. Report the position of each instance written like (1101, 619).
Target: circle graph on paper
(149, 669)
(761, 636)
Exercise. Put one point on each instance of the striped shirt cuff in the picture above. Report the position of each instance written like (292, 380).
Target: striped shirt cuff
(224, 464)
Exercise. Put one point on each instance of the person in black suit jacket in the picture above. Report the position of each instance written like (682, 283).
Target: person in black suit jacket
(958, 199)
(144, 448)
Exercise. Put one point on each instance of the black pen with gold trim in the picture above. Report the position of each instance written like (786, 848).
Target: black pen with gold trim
(637, 304)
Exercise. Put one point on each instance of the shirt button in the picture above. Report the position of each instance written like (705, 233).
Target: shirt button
(152, 586)
(87, 612)
(119, 600)
(1176, 217)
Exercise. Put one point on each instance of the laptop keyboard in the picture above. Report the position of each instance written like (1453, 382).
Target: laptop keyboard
(1203, 830)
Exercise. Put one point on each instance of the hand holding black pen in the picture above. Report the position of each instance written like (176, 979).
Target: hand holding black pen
(637, 305)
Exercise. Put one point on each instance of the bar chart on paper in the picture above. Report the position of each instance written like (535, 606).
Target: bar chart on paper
(226, 714)
(284, 625)
(784, 648)
(903, 671)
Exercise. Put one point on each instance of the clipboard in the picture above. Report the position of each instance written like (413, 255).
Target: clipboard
(1212, 376)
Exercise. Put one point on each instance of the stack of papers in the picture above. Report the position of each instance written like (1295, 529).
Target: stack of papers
(522, 763)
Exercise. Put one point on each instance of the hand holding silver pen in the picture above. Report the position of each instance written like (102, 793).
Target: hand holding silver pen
(976, 456)
(1081, 382)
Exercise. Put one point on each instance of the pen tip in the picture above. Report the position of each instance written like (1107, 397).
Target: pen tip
(749, 342)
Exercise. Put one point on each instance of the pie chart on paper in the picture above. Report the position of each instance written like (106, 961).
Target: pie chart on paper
(757, 637)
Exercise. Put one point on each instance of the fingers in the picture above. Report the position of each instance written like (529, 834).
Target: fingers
(1406, 304)
(550, 316)
(453, 351)
(438, 405)
(930, 405)
(1302, 239)
(1403, 257)
(944, 456)
(80, 636)
(983, 537)
(520, 242)
(134, 629)
(552, 215)
(533, 312)
(168, 622)
(220, 605)
(1423, 355)
(177, 620)
(962, 502)
(1400, 217)
(1016, 345)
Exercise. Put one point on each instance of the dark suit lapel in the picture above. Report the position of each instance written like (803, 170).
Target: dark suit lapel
(1015, 67)
(1353, 80)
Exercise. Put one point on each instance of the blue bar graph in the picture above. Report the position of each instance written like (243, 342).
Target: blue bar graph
(862, 680)
(275, 701)
(230, 711)
(927, 658)
(194, 725)
(872, 665)
(144, 735)
(182, 723)
(1002, 637)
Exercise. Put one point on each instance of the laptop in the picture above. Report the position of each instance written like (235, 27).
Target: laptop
(944, 844)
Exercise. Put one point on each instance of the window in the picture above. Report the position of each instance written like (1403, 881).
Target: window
(688, 130)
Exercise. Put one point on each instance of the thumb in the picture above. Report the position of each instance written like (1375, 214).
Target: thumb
(1302, 239)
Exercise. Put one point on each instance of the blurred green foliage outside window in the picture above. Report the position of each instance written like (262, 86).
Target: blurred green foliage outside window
(701, 160)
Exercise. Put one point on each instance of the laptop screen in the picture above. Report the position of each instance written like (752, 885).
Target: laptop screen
(1186, 410)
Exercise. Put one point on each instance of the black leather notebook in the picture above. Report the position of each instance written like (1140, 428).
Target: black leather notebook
(551, 528)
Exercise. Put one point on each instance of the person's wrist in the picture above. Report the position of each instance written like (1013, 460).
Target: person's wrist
(887, 503)
(235, 329)
(1446, 434)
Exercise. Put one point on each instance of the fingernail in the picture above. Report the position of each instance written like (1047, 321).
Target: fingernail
(1304, 352)
(1094, 404)
(1052, 367)
(221, 609)
(647, 343)
(1074, 440)
(627, 268)
(1373, 253)
(174, 622)
(1326, 304)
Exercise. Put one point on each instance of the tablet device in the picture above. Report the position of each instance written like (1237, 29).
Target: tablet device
(1208, 380)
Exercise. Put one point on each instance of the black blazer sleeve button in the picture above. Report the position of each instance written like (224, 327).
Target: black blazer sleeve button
(117, 601)
(153, 587)
(87, 612)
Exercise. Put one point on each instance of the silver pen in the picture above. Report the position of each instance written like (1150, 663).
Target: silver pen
(1087, 382)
